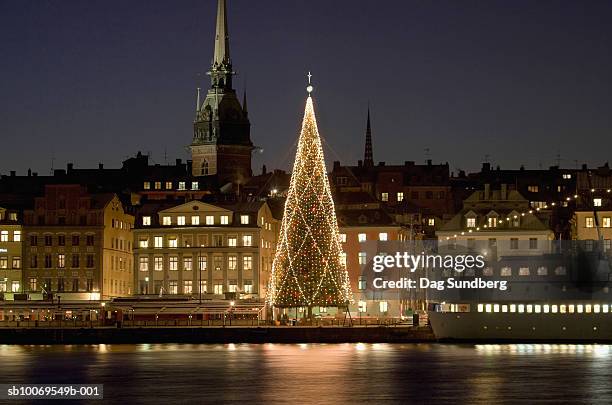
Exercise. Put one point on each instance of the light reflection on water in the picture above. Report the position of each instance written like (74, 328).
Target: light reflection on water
(322, 373)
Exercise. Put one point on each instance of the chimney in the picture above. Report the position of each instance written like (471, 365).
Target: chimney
(179, 162)
(359, 163)
(69, 167)
(13, 173)
(487, 191)
(504, 191)
(101, 166)
(264, 170)
(428, 162)
(29, 172)
(381, 163)
(34, 174)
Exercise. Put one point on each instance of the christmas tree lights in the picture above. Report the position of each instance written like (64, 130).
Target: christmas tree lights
(307, 269)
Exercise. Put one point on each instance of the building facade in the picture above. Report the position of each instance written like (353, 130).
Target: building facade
(204, 250)
(11, 264)
(77, 245)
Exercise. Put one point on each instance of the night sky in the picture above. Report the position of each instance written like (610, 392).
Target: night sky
(520, 81)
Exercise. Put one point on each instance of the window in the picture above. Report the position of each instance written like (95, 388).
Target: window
(382, 236)
(247, 263)
(247, 240)
(202, 262)
(244, 219)
(158, 185)
(492, 222)
(523, 271)
(597, 202)
(89, 240)
(341, 181)
(194, 185)
(588, 222)
(400, 196)
(384, 196)
(567, 176)
(33, 284)
(60, 284)
(218, 288)
(362, 306)
(166, 220)
(533, 243)
(90, 261)
(606, 222)
(342, 238)
(181, 185)
(232, 241)
(16, 236)
(232, 286)
(48, 240)
(180, 220)
(173, 287)
(414, 195)
(33, 240)
(431, 222)
(187, 263)
(210, 220)
(15, 286)
(61, 240)
(158, 263)
(224, 219)
(3, 236)
(195, 220)
(61, 260)
(173, 263)
(362, 258)
(470, 222)
(143, 264)
(34, 261)
(48, 262)
(542, 271)
(187, 287)
(248, 286)
(514, 243)
(173, 242)
(533, 189)
(4, 262)
(75, 240)
(506, 272)
(159, 242)
(362, 284)
(168, 185)
(143, 243)
(203, 286)
(361, 237)
(232, 261)
(146, 221)
(383, 306)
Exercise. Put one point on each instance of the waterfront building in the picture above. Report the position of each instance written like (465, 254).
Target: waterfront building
(204, 250)
(77, 245)
(11, 263)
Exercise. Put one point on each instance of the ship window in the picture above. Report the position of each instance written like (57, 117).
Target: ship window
(542, 271)
(605, 308)
(597, 308)
(580, 308)
(524, 271)
(571, 309)
(512, 307)
(480, 307)
(554, 309)
(587, 308)
(538, 309)
(546, 308)
(521, 308)
(496, 308)
(506, 271)
(488, 308)
(529, 308)
(504, 308)
(560, 271)
(563, 309)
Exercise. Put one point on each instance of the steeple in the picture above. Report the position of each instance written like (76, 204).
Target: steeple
(222, 54)
(221, 69)
(368, 159)
(244, 103)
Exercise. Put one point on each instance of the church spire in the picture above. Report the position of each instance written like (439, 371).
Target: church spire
(222, 53)
(368, 159)
(244, 103)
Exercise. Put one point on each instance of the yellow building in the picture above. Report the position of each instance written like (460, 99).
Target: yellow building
(78, 245)
(11, 237)
(584, 227)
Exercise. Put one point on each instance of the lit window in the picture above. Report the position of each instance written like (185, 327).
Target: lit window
(168, 185)
(495, 307)
(187, 287)
(195, 220)
(232, 286)
(173, 263)
(181, 185)
(567, 176)
(384, 196)
(172, 242)
(247, 240)
(383, 306)
(606, 222)
(470, 222)
(533, 189)
(538, 308)
(597, 202)
(224, 219)
(180, 220)
(231, 241)
(488, 308)
(218, 288)
(480, 307)
(400, 196)
(158, 242)
(16, 236)
(342, 238)
(580, 308)
(506, 272)
(143, 243)
(16, 262)
(158, 263)
(431, 221)
(157, 185)
(542, 271)
(588, 222)
(4, 236)
(147, 185)
(524, 271)
(194, 185)
(492, 222)
(247, 263)
(362, 258)
(187, 263)
(362, 306)
(210, 220)
(166, 220)
(513, 308)
(232, 262)
(248, 286)
(529, 308)
(597, 308)
(202, 263)
(143, 264)
(521, 308)
(361, 237)
(382, 236)
(61, 260)
(244, 219)
(15, 286)
(146, 221)
(173, 287)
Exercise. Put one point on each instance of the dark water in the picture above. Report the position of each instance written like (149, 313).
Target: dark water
(322, 374)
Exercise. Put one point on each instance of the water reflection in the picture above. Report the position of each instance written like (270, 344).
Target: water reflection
(322, 373)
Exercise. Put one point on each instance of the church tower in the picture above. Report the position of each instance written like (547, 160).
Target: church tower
(221, 143)
(368, 156)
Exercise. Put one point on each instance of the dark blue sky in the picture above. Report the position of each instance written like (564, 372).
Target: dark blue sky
(520, 81)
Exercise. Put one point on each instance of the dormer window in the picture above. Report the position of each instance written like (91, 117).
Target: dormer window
(492, 222)
(146, 221)
(470, 222)
(244, 219)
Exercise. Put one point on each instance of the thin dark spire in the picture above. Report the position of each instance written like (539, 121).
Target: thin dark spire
(244, 103)
(368, 159)
(222, 52)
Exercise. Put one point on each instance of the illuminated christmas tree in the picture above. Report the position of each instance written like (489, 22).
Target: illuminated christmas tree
(308, 270)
